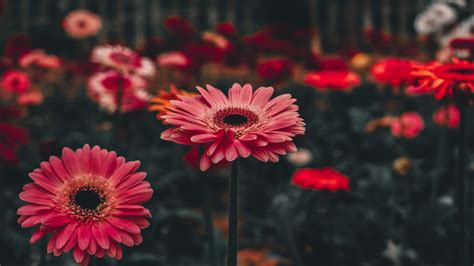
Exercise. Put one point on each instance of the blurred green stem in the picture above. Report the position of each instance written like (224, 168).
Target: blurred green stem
(461, 190)
(232, 243)
(207, 212)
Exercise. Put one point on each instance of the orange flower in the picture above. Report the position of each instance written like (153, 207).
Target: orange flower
(161, 102)
(255, 257)
(444, 80)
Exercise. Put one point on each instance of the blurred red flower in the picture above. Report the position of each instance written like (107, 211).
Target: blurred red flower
(408, 125)
(447, 116)
(179, 27)
(444, 80)
(466, 43)
(16, 46)
(392, 71)
(325, 178)
(333, 64)
(276, 69)
(11, 137)
(15, 81)
(342, 80)
(226, 28)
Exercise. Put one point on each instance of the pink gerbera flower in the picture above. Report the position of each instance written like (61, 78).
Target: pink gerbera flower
(123, 59)
(105, 88)
(90, 201)
(15, 81)
(82, 24)
(243, 123)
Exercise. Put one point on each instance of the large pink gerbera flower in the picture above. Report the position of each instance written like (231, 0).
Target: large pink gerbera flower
(105, 88)
(82, 24)
(90, 201)
(123, 59)
(243, 123)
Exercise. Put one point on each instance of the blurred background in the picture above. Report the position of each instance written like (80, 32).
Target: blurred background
(400, 208)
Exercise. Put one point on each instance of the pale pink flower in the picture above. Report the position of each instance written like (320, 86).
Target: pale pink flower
(105, 88)
(40, 59)
(123, 59)
(174, 59)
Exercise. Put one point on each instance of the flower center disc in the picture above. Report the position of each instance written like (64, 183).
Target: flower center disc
(235, 119)
(87, 198)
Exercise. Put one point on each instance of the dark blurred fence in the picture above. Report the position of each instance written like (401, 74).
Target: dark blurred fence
(338, 21)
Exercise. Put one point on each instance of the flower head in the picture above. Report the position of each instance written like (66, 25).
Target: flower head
(174, 59)
(334, 79)
(275, 69)
(444, 80)
(449, 116)
(243, 123)
(82, 24)
(106, 87)
(90, 201)
(408, 125)
(324, 178)
(392, 71)
(300, 158)
(161, 102)
(40, 59)
(123, 59)
(179, 27)
(15, 81)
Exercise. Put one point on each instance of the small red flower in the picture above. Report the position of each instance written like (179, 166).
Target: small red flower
(392, 71)
(226, 28)
(332, 79)
(408, 125)
(179, 27)
(447, 116)
(444, 80)
(16, 81)
(275, 69)
(325, 178)
(11, 137)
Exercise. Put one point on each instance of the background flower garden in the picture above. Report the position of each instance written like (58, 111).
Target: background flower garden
(119, 137)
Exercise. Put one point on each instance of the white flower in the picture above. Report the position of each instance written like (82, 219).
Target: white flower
(300, 158)
(434, 18)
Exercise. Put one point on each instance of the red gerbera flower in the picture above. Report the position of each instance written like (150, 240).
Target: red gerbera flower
(392, 71)
(334, 79)
(449, 116)
(105, 88)
(444, 80)
(275, 69)
(90, 201)
(408, 125)
(15, 81)
(324, 178)
(123, 59)
(243, 123)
